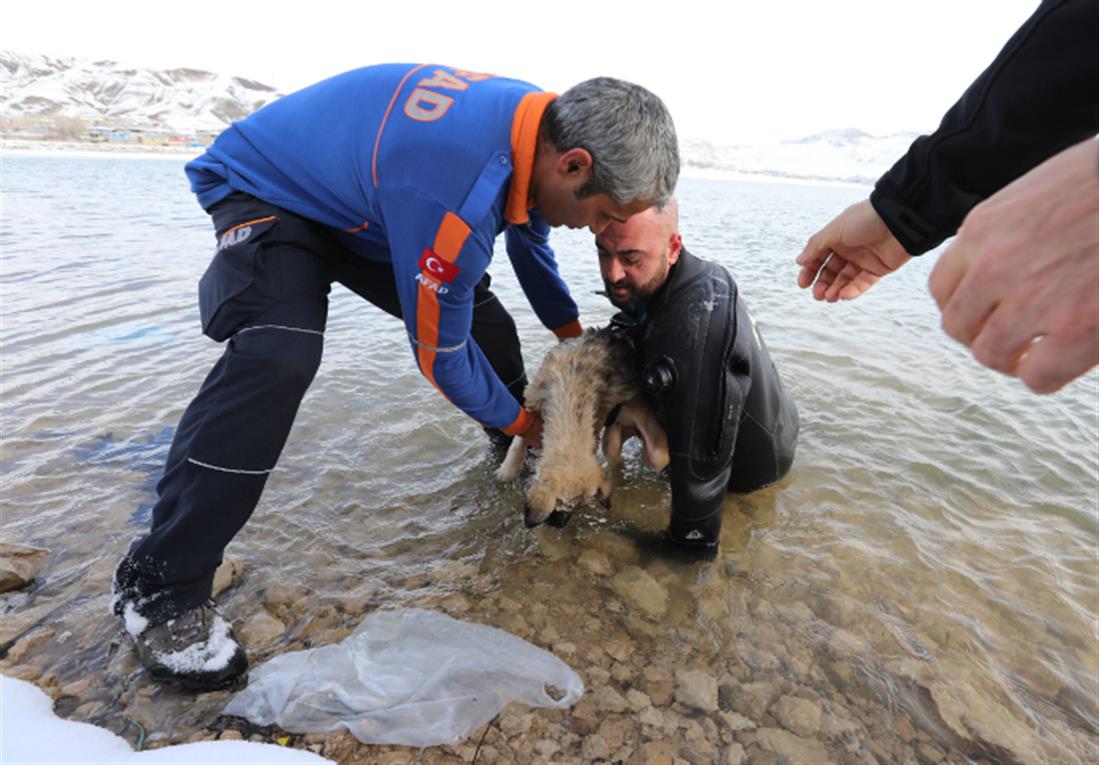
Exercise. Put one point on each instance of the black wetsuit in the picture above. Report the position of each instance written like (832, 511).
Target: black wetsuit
(731, 425)
(1039, 96)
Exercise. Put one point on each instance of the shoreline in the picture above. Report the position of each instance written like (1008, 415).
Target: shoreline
(86, 150)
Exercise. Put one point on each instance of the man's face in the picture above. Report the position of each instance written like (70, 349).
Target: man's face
(558, 176)
(635, 257)
(559, 206)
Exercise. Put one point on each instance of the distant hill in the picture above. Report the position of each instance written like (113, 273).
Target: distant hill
(840, 155)
(41, 90)
(82, 100)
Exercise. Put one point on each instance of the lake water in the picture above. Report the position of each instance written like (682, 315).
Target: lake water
(925, 579)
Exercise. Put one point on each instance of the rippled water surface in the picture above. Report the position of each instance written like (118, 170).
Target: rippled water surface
(927, 574)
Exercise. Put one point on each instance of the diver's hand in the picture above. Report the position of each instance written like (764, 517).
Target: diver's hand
(1020, 284)
(848, 256)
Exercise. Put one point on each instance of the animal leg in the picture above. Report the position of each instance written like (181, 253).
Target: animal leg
(638, 415)
(513, 460)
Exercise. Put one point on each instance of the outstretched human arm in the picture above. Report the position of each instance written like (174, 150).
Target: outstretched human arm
(534, 264)
(1034, 100)
(1020, 284)
(848, 256)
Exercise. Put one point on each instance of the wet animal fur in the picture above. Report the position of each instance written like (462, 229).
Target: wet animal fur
(580, 381)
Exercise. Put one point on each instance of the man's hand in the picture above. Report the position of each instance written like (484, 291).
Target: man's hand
(848, 256)
(1020, 284)
(533, 433)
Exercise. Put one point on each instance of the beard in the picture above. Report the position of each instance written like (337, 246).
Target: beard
(638, 297)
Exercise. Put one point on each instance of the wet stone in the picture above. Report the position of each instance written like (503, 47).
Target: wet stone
(696, 689)
(658, 753)
(753, 699)
(596, 562)
(659, 684)
(637, 700)
(792, 747)
(929, 754)
(598, 676)
(261, 630)
(514, 724)
(736, 722)
(619, 649)
(456, 604)
(546, 748)
(905, 729)
(20, 565)
(610, 700)
(735, 755)
(228, 573)
(616, 731)
(651, 716)
(595, 748)
(638, 588)
(28, 645)
(801, 716)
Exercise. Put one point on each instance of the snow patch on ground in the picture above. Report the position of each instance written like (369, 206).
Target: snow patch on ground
(31, 733)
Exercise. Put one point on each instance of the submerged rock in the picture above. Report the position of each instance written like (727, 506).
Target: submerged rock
(794, 748)
(696, 689)
(637, 587)
(261, 630)
(19, 565)
(801, 716)
(227, 574)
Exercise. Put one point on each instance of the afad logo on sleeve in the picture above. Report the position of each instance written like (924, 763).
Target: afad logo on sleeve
(433, 265)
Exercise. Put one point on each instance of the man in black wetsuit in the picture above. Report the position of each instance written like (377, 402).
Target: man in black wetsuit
(731, 425)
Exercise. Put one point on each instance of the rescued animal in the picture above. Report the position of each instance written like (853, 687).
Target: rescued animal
(585, 385)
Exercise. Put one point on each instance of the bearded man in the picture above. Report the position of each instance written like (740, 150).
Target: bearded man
(731, 425)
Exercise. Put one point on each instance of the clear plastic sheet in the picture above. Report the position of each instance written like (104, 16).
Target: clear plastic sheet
(410, 677)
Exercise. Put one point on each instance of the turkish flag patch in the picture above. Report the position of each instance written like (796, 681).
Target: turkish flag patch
(435, 266)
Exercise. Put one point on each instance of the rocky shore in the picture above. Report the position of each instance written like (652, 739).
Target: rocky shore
(798, 688)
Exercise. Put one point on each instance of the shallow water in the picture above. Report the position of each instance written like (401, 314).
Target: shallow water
(926, 576)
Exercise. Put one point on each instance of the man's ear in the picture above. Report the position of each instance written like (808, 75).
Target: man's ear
(675, 246)
(574, 163)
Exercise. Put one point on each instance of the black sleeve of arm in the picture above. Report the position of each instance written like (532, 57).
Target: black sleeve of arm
(1039, 96)
(702, 411)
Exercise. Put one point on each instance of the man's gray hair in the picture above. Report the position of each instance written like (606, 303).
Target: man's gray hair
(628, 132)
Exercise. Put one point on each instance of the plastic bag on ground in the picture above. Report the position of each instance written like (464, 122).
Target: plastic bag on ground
(409, 677)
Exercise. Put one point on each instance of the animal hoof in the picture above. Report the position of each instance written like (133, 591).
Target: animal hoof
(558, 518)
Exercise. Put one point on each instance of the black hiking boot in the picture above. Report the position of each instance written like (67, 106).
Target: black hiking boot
(196, 651)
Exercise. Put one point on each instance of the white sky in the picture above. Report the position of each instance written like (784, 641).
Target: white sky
(736, 71)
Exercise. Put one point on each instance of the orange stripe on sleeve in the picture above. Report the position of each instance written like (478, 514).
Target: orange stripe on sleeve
(427, 330)
(572, 329)
(449, 239)
(520, 423)
(385, 119)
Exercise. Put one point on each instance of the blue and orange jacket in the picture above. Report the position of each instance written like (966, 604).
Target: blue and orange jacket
(422, 166)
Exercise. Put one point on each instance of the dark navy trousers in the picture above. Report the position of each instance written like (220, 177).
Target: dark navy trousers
(266, 294)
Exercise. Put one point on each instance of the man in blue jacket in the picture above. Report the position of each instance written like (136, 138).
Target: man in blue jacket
(394, 180)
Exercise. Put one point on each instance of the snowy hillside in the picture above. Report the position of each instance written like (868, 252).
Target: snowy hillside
(106, 92)
(843, 155)
(75, 99)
